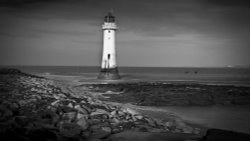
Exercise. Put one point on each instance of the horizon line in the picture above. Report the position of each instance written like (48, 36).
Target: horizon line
(226, 66)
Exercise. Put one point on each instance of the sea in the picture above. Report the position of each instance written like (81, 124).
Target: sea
(216, 75)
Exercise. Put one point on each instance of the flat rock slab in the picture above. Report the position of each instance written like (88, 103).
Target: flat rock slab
(146, 136)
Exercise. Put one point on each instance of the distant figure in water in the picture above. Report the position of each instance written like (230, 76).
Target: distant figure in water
(187, 72)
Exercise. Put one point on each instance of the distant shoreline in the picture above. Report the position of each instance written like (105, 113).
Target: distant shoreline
(233, 66)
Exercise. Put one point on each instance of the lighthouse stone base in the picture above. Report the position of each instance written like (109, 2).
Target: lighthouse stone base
(109, 74)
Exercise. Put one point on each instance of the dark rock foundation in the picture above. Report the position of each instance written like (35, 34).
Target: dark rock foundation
(109, 74)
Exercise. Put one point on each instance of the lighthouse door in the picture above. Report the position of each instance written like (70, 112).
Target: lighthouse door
(108, 60)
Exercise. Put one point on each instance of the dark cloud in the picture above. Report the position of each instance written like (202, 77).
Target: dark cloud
(148, 17)
(19, 3)
(229, 3)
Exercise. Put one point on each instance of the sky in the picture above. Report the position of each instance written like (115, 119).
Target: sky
(152, 33)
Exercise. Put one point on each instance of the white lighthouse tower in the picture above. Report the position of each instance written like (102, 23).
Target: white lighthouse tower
(109, 68)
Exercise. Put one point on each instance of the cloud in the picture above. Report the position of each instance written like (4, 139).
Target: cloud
(209, 28)
(150, 18)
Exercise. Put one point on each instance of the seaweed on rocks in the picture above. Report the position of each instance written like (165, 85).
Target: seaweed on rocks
(175, 94)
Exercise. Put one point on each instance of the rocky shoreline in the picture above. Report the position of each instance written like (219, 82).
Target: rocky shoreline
(37, 108)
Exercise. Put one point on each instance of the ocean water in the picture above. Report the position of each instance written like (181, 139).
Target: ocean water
(227, 75)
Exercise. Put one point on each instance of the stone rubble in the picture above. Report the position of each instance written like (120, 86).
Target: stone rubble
(33, 107)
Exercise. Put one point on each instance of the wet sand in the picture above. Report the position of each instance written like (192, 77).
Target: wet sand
(235, 118)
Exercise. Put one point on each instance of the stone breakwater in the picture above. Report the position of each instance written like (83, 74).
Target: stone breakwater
(36, 108)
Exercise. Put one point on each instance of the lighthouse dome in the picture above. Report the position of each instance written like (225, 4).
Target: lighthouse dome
(109, 18)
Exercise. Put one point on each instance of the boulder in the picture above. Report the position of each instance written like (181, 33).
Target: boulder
(121, 113)
(70, 105)
(169, 124)
(48, 117)
(65, 109)
(113, 113)
(57, 97)
(86, 134)
(151, 122)
(134, 118)
(99, 125)
(143, 128)
(55, 103)
(99, 112)
(61, 95)
(107, 129)
(70, 130)
(138, 117)
(79, 115)
(69, 117)
(130, 111)
(86, 108)
(82, 122)
(94, 121)
(100, 133)
(115, 120)
(81, 110)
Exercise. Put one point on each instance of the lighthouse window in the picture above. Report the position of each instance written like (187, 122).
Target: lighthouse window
(108, 56)
(109, 31)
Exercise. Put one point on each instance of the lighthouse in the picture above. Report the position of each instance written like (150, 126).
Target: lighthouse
(109, 69)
